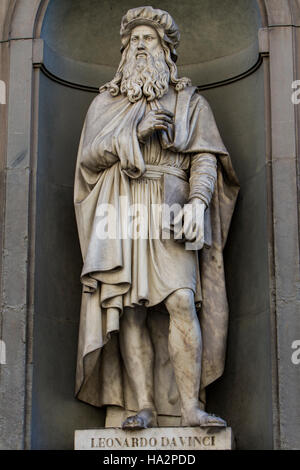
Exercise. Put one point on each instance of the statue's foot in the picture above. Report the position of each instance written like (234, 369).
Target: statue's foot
(197, 417)
(146, 418)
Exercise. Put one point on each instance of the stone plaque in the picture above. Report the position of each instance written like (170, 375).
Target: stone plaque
(194, 438)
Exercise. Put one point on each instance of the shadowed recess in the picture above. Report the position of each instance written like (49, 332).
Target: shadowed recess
(83, 43)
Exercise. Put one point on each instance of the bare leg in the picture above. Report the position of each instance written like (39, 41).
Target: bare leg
(185, 349)
(137, 354)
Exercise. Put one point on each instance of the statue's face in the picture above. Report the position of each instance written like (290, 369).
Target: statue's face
(144, 39)
(145, 71)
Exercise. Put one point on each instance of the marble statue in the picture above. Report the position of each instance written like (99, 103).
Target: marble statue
(154, 311)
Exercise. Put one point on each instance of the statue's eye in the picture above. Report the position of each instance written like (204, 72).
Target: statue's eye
(134, 39)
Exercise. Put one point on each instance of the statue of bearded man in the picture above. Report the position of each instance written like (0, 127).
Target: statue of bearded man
(154, 313)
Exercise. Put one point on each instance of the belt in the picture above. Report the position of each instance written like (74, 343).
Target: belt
(156, 171)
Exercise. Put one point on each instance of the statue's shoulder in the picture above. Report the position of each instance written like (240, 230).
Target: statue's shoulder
(193, 94)
(101, 103)
(201, 101)
(101, 98)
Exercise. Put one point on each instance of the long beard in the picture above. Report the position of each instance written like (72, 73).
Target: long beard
(147, 77)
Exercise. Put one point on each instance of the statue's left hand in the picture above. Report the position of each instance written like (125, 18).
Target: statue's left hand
(192, 220)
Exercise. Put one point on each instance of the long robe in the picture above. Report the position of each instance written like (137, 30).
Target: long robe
(111, 163)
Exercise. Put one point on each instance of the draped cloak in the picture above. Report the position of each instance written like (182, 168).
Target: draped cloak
(110, 158)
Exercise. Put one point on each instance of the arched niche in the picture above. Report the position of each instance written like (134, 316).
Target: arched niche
(82, 39)
(219, 50)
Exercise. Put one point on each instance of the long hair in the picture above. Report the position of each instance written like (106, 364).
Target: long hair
(115, 84)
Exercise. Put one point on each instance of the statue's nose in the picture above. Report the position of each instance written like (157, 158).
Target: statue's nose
(141, 45)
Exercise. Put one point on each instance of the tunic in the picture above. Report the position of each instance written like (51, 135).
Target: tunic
(159, 266)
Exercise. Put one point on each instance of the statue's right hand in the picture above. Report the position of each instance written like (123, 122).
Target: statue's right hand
(154, 120)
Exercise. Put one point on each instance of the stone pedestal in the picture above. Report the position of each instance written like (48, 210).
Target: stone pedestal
(164, 438)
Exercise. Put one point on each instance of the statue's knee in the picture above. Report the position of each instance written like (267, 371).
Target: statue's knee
(181, 301)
